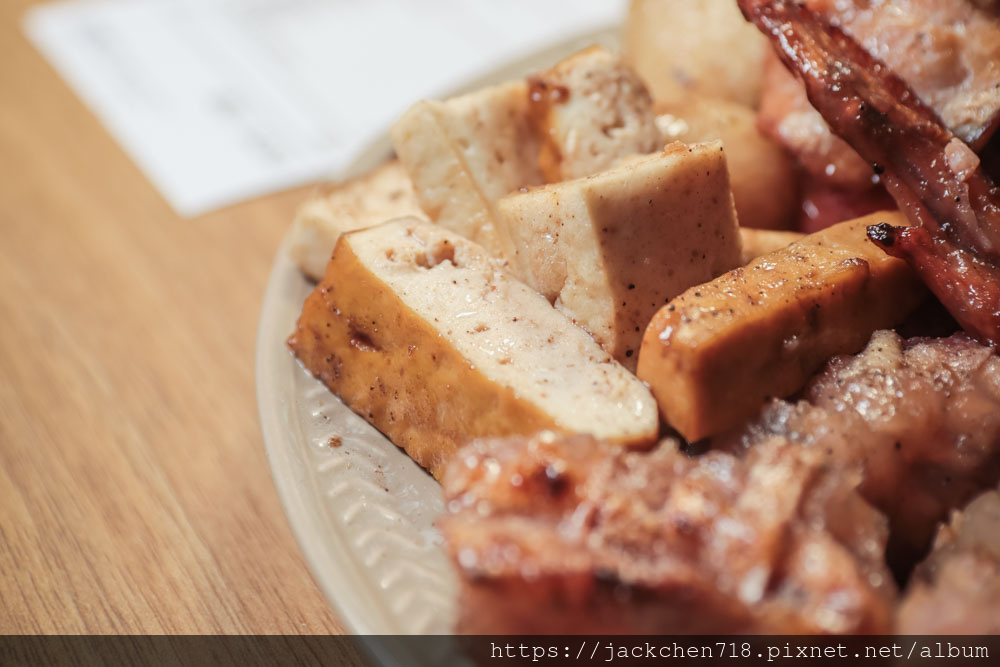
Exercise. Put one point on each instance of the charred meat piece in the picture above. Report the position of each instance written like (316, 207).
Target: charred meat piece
(921, 418)
(948, 51)
(558, 534)
(968, 285)
(787, 117)
(957, 589)
(933, 176)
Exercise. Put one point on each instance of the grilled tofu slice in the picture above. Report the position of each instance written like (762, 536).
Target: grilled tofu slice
(590, 110)
(431, 340)
(717, 352)
(609, 250)
(464, 153)
(757, 242)
(764, 178)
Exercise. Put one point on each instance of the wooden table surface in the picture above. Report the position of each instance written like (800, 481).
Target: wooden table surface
(135, 495)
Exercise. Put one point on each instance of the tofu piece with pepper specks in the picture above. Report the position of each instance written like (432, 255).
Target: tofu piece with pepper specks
(431, 340)
(609, 250)
(384, 193)
(464, 153)
(590, 110)
(716, 353)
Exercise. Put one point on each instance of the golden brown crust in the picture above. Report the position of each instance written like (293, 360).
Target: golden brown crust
(717, 352)
(391, 367)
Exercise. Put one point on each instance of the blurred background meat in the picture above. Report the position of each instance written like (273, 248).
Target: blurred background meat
(957, 589)
(569, 535)
(922, 419)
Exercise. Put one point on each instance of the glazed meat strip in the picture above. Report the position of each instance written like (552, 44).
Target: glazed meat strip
(957, 589)
(922, 418)
(967, 285)
(565, 534)
(948, 51)
(932, 174)
(786, 115)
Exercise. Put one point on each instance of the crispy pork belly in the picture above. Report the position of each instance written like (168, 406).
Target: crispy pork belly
(922, 418)
(954, 243)
(957, 589)
(565, 534)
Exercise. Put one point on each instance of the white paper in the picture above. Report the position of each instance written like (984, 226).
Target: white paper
(221, 100)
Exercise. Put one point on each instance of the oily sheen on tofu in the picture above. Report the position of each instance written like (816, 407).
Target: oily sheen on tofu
(431, 340)
(717, 352)
(464, 153)
(609, 250)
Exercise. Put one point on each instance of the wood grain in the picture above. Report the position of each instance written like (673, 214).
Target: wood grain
(134, 491)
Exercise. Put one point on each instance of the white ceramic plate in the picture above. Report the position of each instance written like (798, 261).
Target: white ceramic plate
(362, 511)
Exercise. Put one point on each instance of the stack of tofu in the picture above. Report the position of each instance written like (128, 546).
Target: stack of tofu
(498, 276)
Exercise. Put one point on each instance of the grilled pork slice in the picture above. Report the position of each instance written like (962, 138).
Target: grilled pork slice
(610, 249)
(464, 153)
(590, 110)
(717, 352)
(383, 194)
(424, 335)
(948, 51)
(786, 115)
(561, 535)
(923, 419)
(956, 591)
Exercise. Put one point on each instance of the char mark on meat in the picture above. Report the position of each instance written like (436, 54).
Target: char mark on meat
(780, 528)
(933, 176)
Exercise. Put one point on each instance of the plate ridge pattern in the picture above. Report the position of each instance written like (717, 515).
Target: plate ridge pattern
(368, 500)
